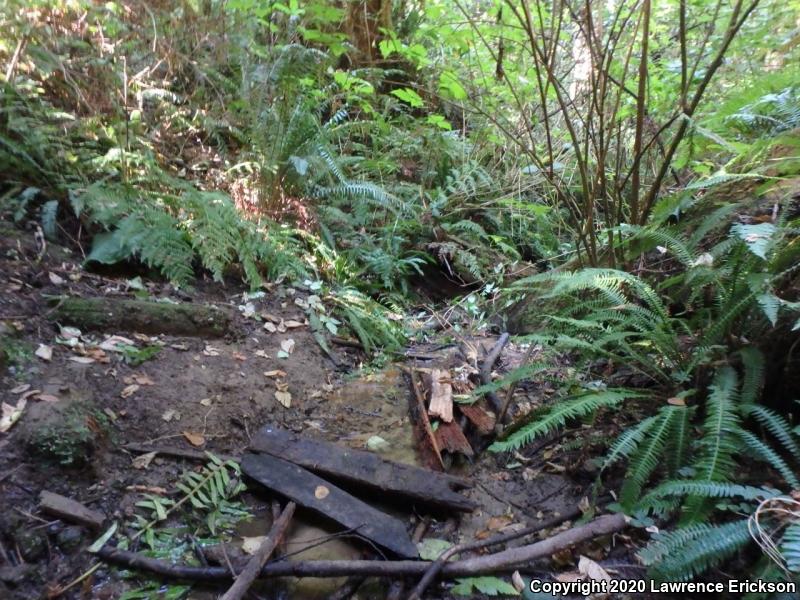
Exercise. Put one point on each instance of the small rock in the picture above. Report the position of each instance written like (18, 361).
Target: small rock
(69, 538)
(32, 544)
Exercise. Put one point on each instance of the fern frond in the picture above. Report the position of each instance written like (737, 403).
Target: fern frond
(549, 419)
(682, 554)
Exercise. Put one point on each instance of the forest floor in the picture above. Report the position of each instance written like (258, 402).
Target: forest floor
(212, 395)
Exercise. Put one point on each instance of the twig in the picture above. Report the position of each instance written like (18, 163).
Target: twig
(246, 578)
(349, 588)
(439, 563)
(177, 452)
(486, 371)
(500, 562)
(422, 416)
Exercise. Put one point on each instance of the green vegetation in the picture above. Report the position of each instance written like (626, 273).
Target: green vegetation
(617, 181)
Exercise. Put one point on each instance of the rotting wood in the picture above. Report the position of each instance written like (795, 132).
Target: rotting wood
(441, 402)
(500, 562)
(317, 494)
(70, 510)
(486, 371)
(112, 314)
(482, 421)
(423, 432)
(364, 469)
(450, 437)
(250, 573)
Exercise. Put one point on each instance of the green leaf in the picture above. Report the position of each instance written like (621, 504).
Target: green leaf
(757, 237)
(450, 86)
(409, 96)
(432, 548)
(491, 586)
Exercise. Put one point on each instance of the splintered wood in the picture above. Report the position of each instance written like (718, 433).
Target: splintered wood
(441, 404)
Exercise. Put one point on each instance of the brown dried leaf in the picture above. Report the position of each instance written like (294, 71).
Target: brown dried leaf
(129, 391)
(143, 460)
(195, 439)
(285, 398)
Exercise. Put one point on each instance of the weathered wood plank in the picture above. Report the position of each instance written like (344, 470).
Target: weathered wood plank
(441, 403)
(365, 469)
(450, 437)
(70, 510)
(482, 420)
(319, 495)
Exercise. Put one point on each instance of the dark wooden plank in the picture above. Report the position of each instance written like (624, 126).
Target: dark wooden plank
(364, 469)
(319, 495)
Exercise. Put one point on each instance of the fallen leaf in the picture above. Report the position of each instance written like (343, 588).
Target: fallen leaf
(23, 387)
(518, 582)
(270, 327)
(47, 397)
(143, 460)
(55, 279)
(292, 324)
(271, 317)
(70, 333)
(44, 352)
(195, 439)
(11, 414)
(83, 360)
(377, 444)
(205, 402)
(321, 492)
(675, 401)
(140, 378)
(288, 346)
(129, 390)
(250, 545)
(210, 351)
(99, 355)
(592, 570)
(179, 346)
(262, 354)
(170, 414)
(239, 356)
(285, 398)
(432, 548)
(113, 343)
(275, 373)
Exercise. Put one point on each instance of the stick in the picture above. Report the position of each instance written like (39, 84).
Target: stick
(349, 588)
(177, 452)
(246, 578)
(439, 563)
(503, 561)
(486, 371)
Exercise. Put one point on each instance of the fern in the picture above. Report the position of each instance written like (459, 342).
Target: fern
(549, 419)
(687, 552)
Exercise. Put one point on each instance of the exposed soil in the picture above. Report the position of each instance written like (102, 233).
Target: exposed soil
(205, 394)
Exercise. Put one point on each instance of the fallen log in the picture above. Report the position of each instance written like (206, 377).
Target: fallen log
(70, 510)
(144, 316)
(505, 561)
(246, 578)
(486, 371)
(313, 492)
(364, 469)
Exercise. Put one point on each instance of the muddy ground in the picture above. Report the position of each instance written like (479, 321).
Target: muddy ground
(212, 395)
